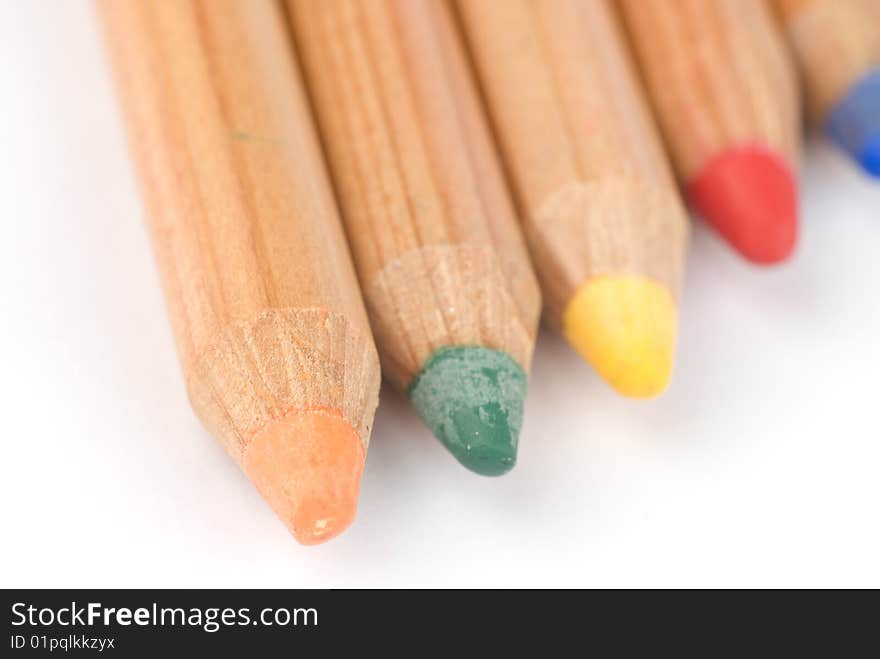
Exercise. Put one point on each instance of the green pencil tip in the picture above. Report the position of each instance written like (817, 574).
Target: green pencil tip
(472, 399)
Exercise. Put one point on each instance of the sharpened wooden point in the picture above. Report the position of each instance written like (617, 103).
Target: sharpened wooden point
(307, 466)
(625, 326)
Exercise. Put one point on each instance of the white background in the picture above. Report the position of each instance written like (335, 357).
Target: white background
(759, 467)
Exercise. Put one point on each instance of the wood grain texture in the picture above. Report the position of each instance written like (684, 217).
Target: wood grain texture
(836, 42)
(588, 169)
(719, 76)
(261, 292)
(431, 226)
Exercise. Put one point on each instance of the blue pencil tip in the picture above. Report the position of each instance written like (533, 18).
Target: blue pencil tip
(854, 123)
(870, 156)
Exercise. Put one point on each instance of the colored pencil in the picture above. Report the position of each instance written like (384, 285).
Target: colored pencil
(837, 44)
(726, 98)
(272, 335)
(444, 270)
(601, 211)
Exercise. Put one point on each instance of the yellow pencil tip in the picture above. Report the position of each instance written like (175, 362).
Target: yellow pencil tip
(625, 327)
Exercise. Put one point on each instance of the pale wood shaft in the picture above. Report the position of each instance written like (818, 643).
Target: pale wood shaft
(588, 169)
(261, 292)
(836, 42)
(718, 74)
(431, 226)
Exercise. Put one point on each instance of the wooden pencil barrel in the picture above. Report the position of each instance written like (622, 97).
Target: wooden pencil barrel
(433, 232)
(258, 281)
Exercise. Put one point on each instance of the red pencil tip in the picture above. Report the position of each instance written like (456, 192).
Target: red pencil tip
(749, 195)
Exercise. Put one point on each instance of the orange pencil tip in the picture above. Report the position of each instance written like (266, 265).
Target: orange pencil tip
(308, 465)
